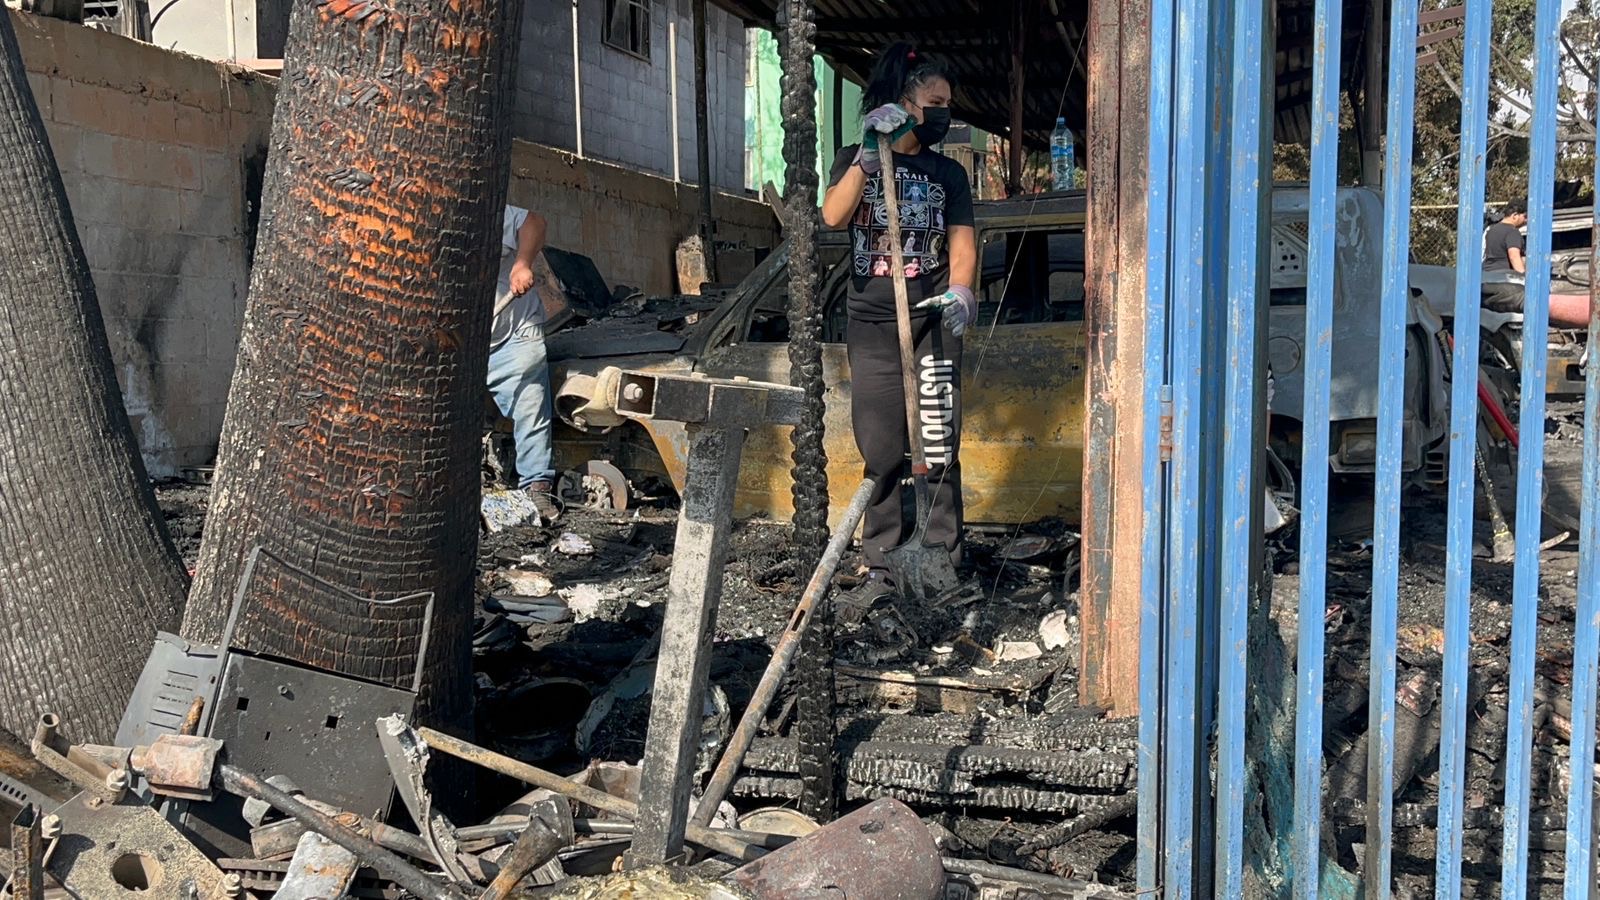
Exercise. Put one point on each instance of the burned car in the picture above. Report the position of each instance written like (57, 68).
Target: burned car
(1023, 371)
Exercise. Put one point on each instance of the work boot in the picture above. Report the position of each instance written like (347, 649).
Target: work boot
(543, 495)
(851, 607)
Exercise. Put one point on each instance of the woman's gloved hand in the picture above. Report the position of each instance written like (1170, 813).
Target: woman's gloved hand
(890, 119)
(957, 306)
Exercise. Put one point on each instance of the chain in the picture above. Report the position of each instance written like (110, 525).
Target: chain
(814, 726)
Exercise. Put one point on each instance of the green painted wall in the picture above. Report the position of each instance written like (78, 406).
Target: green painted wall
(763, 119)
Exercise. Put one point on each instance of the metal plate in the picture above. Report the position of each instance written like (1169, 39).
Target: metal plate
(176, 672)
(319, 870)
(127, 849)
(315, 728)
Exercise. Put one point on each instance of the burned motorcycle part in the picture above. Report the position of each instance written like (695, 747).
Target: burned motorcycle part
(179, 765)
(89, 774)
(243, 784)
(320, 869)
(109, 850)
(601, 485)
(846, 858)
(176, 673)
(407, 758)
(312, 727)
(717, 412)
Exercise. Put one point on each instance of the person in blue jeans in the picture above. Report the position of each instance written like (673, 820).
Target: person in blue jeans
(519, 371)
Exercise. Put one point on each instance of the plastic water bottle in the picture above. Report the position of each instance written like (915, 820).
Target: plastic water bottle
(1063, 158)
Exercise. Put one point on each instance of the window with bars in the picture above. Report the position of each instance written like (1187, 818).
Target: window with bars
(627, 27)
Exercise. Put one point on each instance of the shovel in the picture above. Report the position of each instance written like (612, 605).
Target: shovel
(922, 571)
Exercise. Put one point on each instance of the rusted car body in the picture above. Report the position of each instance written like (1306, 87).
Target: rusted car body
(1023, 367)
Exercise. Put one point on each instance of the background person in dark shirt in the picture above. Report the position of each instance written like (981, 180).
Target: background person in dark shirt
(1505, 264)
(907, 98)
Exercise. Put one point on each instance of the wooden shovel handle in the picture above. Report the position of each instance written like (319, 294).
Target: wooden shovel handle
(902, 307)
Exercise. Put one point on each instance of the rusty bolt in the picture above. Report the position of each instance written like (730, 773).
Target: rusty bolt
(117, 780)
(233, 885)
(50, 827)
(633, 393)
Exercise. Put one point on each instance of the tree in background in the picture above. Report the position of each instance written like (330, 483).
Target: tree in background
(350, 447)
(87, 570)
(1436, 157)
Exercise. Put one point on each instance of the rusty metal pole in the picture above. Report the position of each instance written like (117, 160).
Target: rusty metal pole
(814, 710)
(1119, 53)
(702, 137)
(1372, 118)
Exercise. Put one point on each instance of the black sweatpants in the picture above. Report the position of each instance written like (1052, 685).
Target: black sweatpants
(877, 412)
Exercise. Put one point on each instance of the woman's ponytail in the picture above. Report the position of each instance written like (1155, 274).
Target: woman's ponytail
(899, 70)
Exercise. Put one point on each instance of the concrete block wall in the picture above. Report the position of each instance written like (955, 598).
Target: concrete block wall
(153, 147)
(627, 101)
(628, 222)
(161, 154)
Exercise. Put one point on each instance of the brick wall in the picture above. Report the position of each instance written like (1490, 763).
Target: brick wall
(153, 147)
(626, 99)
(161, 153)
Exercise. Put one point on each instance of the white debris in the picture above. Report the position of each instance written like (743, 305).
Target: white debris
(574, 545)
(528, 584)
(1053, 630)
(584, 600)
(1017, 651)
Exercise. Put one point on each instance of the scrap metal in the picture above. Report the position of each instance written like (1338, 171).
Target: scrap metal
(27, 855)
(107, 849)
(407, 758)
(712, 839)
(847, 856)
(783, 654)
(320, 869)
(93, 777)
(243, 784)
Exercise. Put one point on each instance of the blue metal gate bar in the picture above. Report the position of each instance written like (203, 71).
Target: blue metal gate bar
(1185, 352)
(1530, 455)
(1306, 843)
(1152, 562)
(1241, 504)
(1463, 451)
(1386, 485)
(1585, 649)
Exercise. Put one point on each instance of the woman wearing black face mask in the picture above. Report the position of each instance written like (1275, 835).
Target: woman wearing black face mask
(908, 98)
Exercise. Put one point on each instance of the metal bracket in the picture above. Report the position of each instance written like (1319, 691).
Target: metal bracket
(1166, 422)
(717, 412)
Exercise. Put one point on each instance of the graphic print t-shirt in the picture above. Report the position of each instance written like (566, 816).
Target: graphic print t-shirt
(1497, 242)
(934, 197)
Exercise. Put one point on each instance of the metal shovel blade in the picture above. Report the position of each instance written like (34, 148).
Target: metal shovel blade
(922, 572)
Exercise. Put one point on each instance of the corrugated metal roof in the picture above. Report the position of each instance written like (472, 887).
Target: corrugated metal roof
(973, 37)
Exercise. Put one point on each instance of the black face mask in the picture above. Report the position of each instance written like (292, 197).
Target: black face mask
(934, 126)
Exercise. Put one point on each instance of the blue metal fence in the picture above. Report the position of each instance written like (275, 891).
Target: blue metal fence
(1209, 188)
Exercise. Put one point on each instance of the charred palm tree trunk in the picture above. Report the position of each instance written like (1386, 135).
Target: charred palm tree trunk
(350, 445)
(87, 571)
(814, 729)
